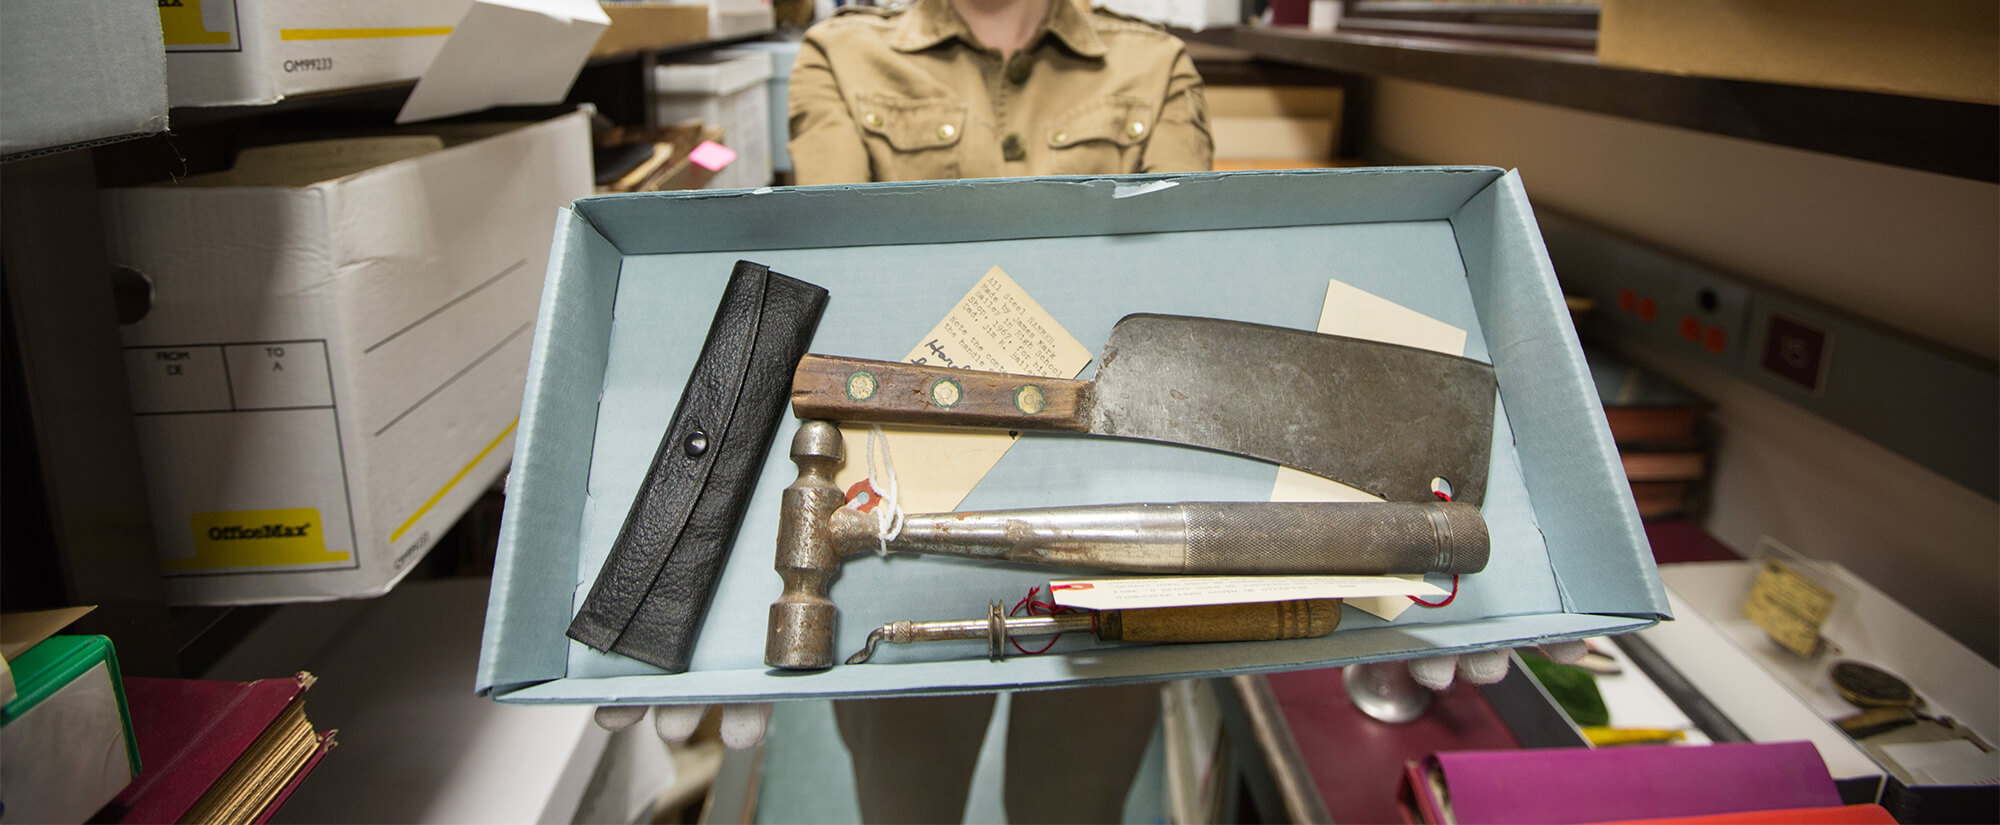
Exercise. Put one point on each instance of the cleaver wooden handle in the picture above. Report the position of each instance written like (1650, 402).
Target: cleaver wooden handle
(890, 392)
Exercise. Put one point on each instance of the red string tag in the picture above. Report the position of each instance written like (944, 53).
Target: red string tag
(1454, 577)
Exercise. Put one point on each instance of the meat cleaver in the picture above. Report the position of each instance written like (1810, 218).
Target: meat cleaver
(1387, 419)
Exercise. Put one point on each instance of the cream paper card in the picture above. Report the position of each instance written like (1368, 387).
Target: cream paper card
(996, 327)
(1356, 314)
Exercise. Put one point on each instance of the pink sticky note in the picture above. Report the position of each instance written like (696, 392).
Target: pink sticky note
(712, 156)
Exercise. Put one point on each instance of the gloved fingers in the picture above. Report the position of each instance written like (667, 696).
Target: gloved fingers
(1484, 667)
(618, 717)
(743, 725)
(675, 723)
(1435, 672)
(1567, 653)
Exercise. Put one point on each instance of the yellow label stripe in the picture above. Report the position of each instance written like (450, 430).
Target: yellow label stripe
(412, 520)
(361, 34)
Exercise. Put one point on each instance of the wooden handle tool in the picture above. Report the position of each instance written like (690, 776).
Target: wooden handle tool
(1261, 621)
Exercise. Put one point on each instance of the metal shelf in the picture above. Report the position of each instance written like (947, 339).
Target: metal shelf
(1941, 136)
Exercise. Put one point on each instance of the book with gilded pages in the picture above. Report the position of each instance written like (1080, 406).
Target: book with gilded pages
(215, 751)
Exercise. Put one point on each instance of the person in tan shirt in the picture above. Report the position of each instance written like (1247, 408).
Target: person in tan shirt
(948, 89)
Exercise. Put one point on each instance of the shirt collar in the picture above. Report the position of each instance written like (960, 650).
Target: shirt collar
(931, 22)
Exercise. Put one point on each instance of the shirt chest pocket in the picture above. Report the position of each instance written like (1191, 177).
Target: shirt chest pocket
(1103, 136)
(911, 139)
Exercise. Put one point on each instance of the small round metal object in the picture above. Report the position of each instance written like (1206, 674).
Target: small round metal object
(861, 385)
(695, 444)
(947, 131)
(1058, 137)
(873, 120)
(1030, 399)
(996, 632)
(946, 393)
(1385, 691)
(1137, 129)
(1871, 687)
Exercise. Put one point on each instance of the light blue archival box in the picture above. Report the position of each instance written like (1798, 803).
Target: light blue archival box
(633, 284)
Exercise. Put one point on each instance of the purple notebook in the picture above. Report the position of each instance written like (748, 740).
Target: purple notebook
(1575, 785)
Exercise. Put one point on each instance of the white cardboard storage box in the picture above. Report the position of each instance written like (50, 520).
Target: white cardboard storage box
(253, 52)
(55, 54)
(331, 367)
(633, 285)
(727, 90)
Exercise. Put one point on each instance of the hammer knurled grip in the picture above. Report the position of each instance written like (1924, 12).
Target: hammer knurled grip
(1365, 539)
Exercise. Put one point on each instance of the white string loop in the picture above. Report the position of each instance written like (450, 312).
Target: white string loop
(888, 511)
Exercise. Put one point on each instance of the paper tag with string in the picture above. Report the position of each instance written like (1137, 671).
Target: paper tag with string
(996, 327)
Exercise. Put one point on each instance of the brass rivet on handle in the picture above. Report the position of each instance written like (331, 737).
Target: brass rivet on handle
(1030, 399)
(861, 385)
(946, 393)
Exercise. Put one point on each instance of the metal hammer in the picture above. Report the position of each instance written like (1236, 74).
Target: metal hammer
(1215, 538)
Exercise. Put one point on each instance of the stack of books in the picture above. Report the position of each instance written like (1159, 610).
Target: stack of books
(1661, 431)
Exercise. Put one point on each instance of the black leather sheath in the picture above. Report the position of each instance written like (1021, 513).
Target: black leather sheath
(650, 596)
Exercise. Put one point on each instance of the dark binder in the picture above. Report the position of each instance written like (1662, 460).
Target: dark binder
(650, 596)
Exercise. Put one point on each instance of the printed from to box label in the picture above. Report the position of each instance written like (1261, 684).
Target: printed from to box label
(230, 429)
(1788, 606)
(257, 538)
(1180, 591)
(996, 327)
(199, 25)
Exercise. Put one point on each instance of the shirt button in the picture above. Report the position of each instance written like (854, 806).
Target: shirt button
(1136, 129)
(946, 131)
(873, 120)
(1017, 71)
(1012, 148)
(1058, 137)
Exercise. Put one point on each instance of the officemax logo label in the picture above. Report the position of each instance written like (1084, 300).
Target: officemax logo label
(257, 539)
(238, 532)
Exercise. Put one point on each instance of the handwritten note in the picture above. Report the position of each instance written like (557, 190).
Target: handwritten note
(996, 327)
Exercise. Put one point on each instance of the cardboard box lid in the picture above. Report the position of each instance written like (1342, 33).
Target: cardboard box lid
(55, 54)
(715, 73)
(1458, 244)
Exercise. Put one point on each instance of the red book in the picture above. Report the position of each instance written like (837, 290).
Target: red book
(214, 751)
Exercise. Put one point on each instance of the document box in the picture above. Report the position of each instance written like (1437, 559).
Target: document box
(633, 281)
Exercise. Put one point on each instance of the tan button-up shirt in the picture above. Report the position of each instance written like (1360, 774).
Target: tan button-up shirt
(913, 95)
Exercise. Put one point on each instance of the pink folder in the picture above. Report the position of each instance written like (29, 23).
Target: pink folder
(1578, 785)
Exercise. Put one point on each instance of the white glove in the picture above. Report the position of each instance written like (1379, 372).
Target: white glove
(1484, 667)
(743, 725)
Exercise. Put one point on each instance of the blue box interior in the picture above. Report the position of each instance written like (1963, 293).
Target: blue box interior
(634, 282)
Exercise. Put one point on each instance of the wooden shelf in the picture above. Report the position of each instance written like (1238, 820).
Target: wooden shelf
(1946, 137)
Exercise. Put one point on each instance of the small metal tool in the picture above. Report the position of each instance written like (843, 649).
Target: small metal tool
(1332, 538)
(1263, 621)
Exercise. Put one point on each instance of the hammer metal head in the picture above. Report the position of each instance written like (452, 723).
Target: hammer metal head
(803, 619)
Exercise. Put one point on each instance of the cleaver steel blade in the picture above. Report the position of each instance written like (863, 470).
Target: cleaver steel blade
(1384, 418)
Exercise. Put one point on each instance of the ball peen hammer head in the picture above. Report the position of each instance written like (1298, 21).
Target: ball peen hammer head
(803, 618)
